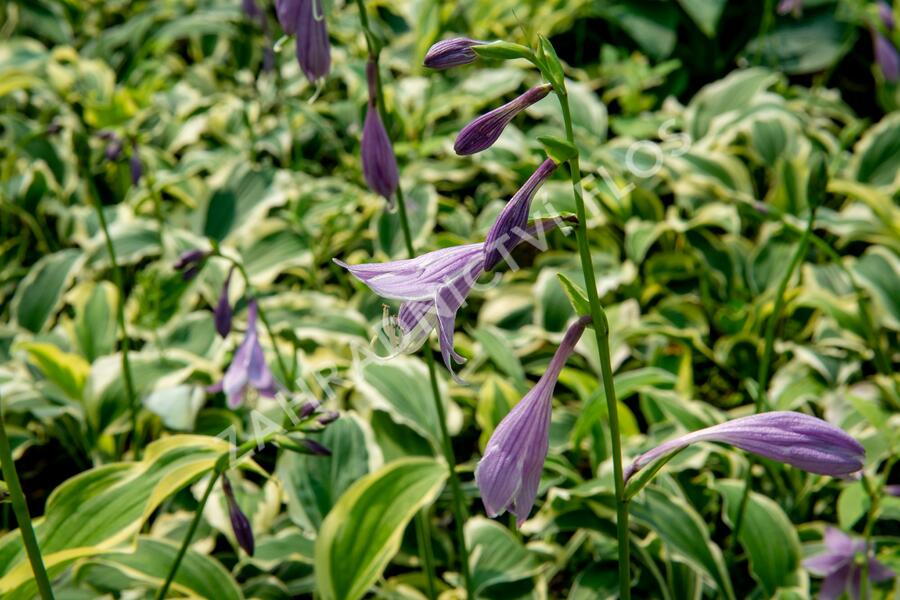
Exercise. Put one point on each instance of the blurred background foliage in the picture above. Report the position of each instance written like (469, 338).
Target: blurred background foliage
(696, 119)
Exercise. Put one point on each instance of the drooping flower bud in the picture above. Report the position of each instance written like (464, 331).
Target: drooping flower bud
(481, 133)
(223, 312)
(793, 438)
(509, 228)
(240, 524)
(306, 19)
(378, 161)
(114, 147)
(451, 53)
(329, 417)
(189, 263)
(315, 447)
(887, 57)
(134, 163)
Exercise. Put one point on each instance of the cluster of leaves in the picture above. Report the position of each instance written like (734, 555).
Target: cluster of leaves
(695, 210)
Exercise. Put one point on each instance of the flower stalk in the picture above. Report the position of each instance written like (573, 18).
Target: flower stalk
(601, 331)
(459, 511)
(20, 508)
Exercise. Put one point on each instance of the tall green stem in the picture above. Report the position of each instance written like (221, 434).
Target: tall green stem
(118, 280)
(601, 331)
(459, 509)
(765, 364)
(20, 508)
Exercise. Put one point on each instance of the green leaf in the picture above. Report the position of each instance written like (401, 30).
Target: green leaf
(313, 484)
(807, 45)
(767, 535)
(877, 155)
(705, 13)
(39, 293)
(576, 295)
(852, 505)
(557, 148)
(496, 555)
(499, 350)
(504, 51)
(67, 371)
(363, 531)
(147, 567)
(550, 65)
(684, 533)
(92, 327)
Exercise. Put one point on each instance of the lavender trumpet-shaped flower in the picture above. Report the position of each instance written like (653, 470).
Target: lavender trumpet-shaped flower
(248, 368)
(840, 568)
(451, 53)
(509, 227)
(306, 20)
(189, 263)
(509, 473)
(481, 133)
(378, 161)
(240, 524)
(223, 313)
(799, 440)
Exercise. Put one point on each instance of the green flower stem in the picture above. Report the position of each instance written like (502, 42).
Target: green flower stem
(601, 330)
(118, 280)
(874, 507)
(20, 508)
(423, 539)
(459, 510)
(765, 365)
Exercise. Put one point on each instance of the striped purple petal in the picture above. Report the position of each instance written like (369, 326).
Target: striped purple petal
(481, 133)
(451, 53)
(379, 163)
(248, 366)
(306, 20)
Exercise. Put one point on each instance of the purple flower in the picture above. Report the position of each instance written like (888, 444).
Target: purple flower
(839, 567)
(451, 53)
(240, 525)
(113, 151)
(433, 287)
(509, 473)
(794, 438)
(481, 133)
(378, 161)
(510, 225)
(886, 14)
(189, 263)
(222, 313)
(134, 163)
(305, 19)
(887, 57)
(247, 368)
(790, 6)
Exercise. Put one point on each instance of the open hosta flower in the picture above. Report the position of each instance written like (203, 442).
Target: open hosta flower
(451, 53)
(840, 568)
(510, 225)
(306, 20)
(509, 473)
(378, 161)
(793, 438)
(434, 286)
(481, 133)
(248, 368)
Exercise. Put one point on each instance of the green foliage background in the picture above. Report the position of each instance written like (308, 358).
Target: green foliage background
(696, 121)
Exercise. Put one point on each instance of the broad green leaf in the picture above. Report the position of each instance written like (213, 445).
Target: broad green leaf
(496, 555)
(363, 531)
(38, 294)
(876, 157)
(499, 350)
(147, 567)
(853, 503)
(767, 535)
(313, 484)
(684, 533)
(799, 46)
(93, 328)
(65, 370)
(705, 13)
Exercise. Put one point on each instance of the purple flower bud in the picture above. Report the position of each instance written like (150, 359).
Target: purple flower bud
(189, 263)
(306, 19)
(451, 53)
(240, 525)
(113, 151)
(481, 133)
(329, 417)
(886, 14)
(137, 170)
(509, 227)
(223, 312)
(509, 473)
(887, 57)
(793, 438)
(892, 490)
(790, 6)
(315, 447)
(307, 409)
(378, 161)
(268, 57)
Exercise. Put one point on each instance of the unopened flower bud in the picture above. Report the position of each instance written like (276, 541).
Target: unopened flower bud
(481, 133)
(240, 524)
(451, 53)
